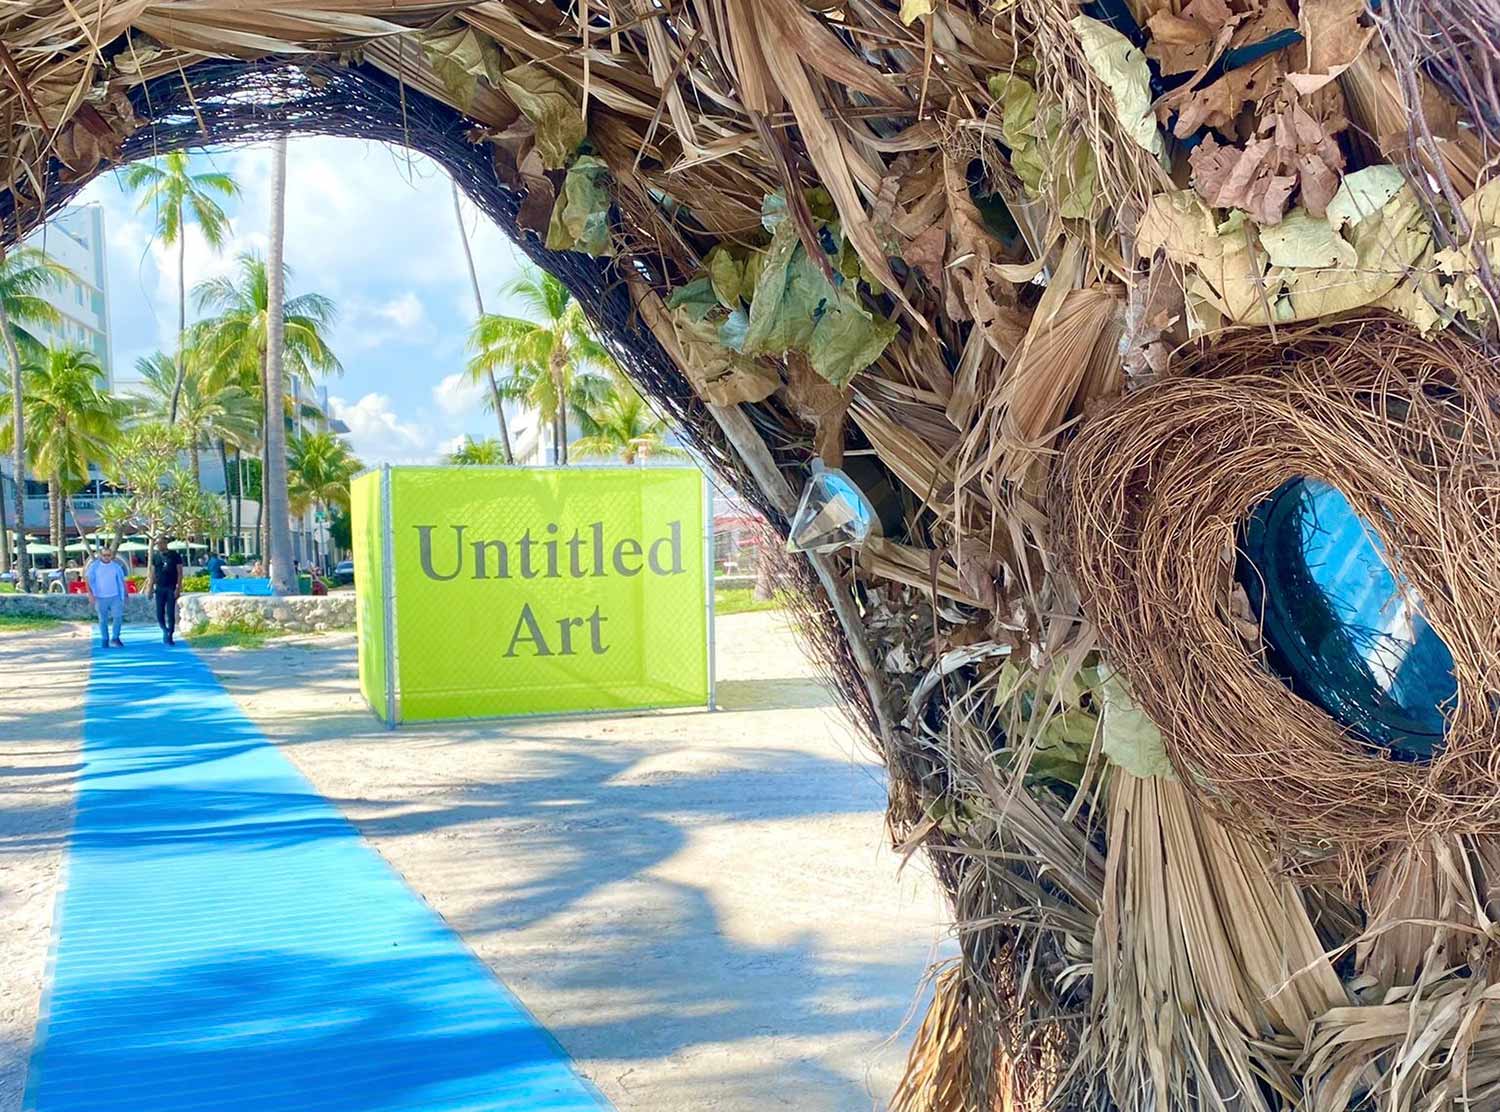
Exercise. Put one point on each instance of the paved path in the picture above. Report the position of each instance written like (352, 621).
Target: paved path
(227, 941)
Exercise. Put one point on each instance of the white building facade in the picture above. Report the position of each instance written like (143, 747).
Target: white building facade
(75, 239)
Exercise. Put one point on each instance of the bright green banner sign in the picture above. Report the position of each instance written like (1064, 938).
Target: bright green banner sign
(521, 591)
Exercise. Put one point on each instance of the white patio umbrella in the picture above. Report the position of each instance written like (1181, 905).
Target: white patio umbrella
(78, 546)
(134, 546)
(181, 546)
(35, 548)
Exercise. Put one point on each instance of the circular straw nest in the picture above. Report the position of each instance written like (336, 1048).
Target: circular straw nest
(1148, 499)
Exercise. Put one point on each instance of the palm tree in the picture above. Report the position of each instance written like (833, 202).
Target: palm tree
(174, 194)
(71, 421)
(25, 274)
(233, 342)
(552, 362)
(623, 425)
(210, 415)
(319, 469)
(273, 474)
(479, 453)
(496, 401)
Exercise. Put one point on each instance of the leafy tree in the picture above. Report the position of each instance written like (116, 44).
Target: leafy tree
(622, 424)
(161, 498)
(232, 340)
(319, 470)
(488, 452)
(71, 421)
(340, 529)
(175, 195)
(25, 275)
(210, 415)
(552, 362)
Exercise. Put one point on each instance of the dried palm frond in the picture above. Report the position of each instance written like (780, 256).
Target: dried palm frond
(1207, 971)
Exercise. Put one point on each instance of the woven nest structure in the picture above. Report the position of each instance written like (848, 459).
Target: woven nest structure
(1064, 289)
(1153, 492)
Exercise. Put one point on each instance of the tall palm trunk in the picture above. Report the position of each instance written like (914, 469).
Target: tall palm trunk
(54, 513)
(4, 532)
(262, 532)
(273, 482)
(195, 466)
(18, 448)
(181, 317)
(463, 237)
(560, 414)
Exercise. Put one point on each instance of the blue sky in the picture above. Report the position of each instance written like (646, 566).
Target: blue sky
(368, 225)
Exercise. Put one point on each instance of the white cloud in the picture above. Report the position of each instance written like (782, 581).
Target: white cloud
(377, 434)
(452, 444)
(458, 396)
(405, 311)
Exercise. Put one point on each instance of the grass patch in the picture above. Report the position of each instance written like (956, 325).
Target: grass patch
(242, 633)
(19, 623)
(742, 600)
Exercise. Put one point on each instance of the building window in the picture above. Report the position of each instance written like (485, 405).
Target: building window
(1339, 627)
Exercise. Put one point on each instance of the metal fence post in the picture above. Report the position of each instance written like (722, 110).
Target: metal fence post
(708, 578)
(388, 589)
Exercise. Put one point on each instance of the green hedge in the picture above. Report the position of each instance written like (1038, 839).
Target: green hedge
(194, 584)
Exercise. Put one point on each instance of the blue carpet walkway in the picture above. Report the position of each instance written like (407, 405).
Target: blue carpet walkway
(229, 942)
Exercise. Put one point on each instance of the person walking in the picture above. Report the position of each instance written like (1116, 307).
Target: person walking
(166, 578)
(104, 579)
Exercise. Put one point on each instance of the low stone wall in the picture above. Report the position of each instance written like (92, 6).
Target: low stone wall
(138, 608)
(296, 613)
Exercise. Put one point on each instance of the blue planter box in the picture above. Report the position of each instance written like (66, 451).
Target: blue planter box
(239, 586)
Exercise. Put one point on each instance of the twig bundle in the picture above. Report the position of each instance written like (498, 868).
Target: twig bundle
(1148, 500)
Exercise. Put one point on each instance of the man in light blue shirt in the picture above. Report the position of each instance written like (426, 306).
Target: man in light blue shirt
(105, 579)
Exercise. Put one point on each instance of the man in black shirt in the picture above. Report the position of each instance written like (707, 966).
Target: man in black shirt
(166, 577)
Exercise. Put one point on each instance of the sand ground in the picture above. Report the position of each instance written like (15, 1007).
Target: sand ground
(701, 907)
(42, 677)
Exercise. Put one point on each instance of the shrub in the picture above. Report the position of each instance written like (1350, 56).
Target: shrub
(193, 584)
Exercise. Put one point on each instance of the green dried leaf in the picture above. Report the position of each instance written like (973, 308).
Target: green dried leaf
(697, 298)
(848, 338)
(546, 102)
(460, 56)
(789, 290)
(727, 275)
(1364, 193)
(1131, 739)
(1018, 103)
(580, 219)
(1123, 69)
(1300, 239)
(795, 308)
